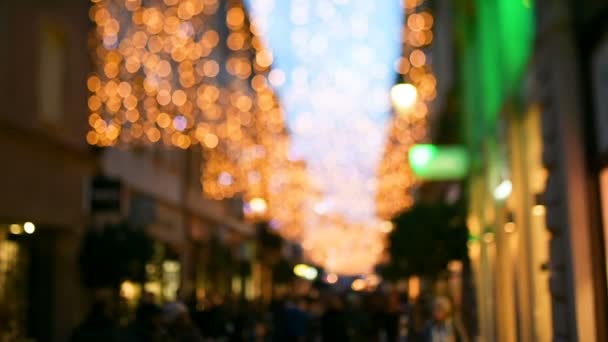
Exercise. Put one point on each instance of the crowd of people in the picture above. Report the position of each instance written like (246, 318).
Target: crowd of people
(328, 317)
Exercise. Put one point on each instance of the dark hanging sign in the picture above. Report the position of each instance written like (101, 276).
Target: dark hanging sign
(105, 195)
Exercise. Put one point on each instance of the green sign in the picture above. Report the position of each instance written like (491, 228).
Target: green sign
(431, 162)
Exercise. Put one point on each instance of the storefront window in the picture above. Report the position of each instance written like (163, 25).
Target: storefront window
(163, 274)
(524, 236)
(52, 69)
(13, 283)
(537, 236)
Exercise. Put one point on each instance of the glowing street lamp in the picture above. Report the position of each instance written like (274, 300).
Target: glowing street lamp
(258, 205)
(503, 190)
(256, 208)
(29, 227)
(403, 96)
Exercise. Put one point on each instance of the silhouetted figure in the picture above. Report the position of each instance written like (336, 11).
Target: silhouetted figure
(148, 325)
(392, 316)
(179, 325)
(212, 320)
(333, 322)
(279, 330)
(98, 325)
(360, 327)
(297, 320)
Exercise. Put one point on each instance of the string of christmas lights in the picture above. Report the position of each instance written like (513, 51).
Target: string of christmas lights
(186, 72)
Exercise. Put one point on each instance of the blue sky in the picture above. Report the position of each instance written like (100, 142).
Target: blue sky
(338, 58)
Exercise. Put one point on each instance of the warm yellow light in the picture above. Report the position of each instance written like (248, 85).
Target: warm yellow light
(163, 97)
(156, 80)
(258, 205)
(539, 210)
(170, 266)
(129, 290)
(358, 285)
(417, 58)
(488, 237)
(211, 68)
(94, 103)
(92, 138)
(15, 229)
(154, 288)
(386, 227)
(179, 98)
(403, 96)
(153, 134)
(509, 227)
(235, 17)
(305, 271)
(455, 266)
(93, 83)
(29, 227)
(332, 278)
(210, 140)
(413, 287)
(264, 58)
(235, 41)
(163, 120)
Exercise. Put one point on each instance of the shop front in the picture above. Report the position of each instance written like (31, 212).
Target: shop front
(14, 276)
(523, 229)
(37, 272)
(509, 240)
(507, 243)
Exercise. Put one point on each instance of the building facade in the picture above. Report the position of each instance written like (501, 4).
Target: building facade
(530, 84)
(44, 164)
(46, 175)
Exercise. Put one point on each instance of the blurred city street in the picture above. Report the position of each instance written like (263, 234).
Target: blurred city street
(303, 170)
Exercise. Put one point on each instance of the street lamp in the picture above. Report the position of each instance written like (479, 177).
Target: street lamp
(29, 227)
(503, 190)
(403, 96)
(256, 208)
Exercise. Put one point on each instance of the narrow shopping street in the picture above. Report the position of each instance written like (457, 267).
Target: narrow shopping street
(304, 170)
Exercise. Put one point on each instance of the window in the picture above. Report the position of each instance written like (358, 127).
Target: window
(52, 68)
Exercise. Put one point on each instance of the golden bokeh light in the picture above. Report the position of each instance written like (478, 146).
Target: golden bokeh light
(395, 178)
(172, 72)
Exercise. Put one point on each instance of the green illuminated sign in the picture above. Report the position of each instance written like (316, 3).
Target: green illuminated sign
(431, 162)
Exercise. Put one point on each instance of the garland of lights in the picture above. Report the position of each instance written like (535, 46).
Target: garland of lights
(411, 101)
(165, 75)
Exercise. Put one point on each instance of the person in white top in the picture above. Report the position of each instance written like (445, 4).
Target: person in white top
(441, 327)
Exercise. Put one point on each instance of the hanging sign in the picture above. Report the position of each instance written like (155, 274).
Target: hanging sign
(432, 162)
(105, 195)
